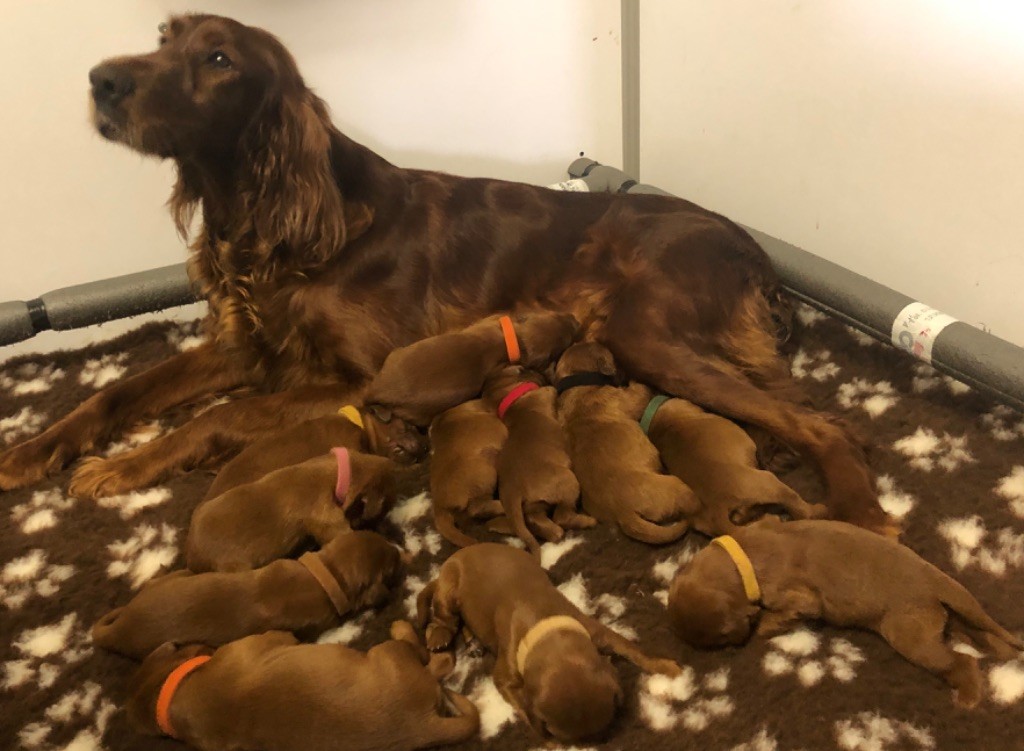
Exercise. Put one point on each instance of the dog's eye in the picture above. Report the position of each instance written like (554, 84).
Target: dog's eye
(162, 41)
(219, 60)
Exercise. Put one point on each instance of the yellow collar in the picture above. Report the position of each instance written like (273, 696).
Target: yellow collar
(353, 416)
(541, 629)
(743, 565)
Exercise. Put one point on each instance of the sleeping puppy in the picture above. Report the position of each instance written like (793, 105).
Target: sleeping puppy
(533, 466)
(617, 466)
(549, 655)
(353, 571)
(251, 525)
(354, 428)
(843, 575)
(418, 382)
(466, 441)
(717, 459)
(271, 693)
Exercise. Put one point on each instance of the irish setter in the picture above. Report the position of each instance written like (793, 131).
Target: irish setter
(318, 257)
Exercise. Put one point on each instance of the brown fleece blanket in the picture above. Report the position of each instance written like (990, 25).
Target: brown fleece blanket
(950, 463)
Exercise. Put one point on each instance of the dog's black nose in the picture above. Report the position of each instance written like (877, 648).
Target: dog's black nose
(110, 83)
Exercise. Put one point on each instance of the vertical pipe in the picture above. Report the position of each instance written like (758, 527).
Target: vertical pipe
(630, 39)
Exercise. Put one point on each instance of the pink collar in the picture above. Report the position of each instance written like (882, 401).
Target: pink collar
(512, 396)
(344, 473)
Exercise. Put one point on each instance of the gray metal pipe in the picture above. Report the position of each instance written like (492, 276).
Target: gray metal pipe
(96, 302)
(979, 359)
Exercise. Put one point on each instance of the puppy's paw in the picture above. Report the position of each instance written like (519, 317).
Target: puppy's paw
(439, 637)
(441, 665)
(967, 698)
(30, 462)
(96, 477)
(664, 666)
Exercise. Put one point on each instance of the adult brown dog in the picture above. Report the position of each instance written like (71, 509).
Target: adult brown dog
(843, 575)
(549, 655)
(318, 258)
(270, 692)
(215, 608)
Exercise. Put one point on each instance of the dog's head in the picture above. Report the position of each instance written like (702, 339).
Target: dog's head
(544, 335)
(707, 605)
(391, 436)
(587, 357)
(369, 564)
(149, 678)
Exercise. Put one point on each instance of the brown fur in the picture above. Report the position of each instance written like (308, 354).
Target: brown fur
(567, 688)
(845, 576)
(215, 608)
(533, 466)
(270, 692)
(422, 380)
(273, 517)
(717, 460)
(466, 441)
(319, 258)
(617, 466)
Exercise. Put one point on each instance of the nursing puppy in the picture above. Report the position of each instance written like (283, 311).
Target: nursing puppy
(843, 575)
(353, 571)
(618, 468)
(549, 655)
(251, 525)
(718, 461)
(353, 428)
(533, 466)
(420, 381)
(271, 693)
(466, 441)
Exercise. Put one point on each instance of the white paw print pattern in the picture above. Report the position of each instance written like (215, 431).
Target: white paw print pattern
(83, 704)
(24, 422)
(1006, 682)
(860, 337)
(1011, 488)
(41, 511)
(43, 652)
(103, 370)
(31, 575)
(607, 608)
(30, 378)
(817, 366)
(870, 731)
(664, 571)
(185, 338)
(926, 450)
(348, 631)
(129, 504)
(807, 315)
(801, 652)
(666, 703)
(760, 742)
(1004, 423)
(139, 557)
(405, 515)
(139, 435)
(552, 552)
(874, 398)
(971, 545)
(893, 501)
(927, 378)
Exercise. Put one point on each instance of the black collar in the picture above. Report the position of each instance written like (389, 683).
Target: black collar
(586, 378)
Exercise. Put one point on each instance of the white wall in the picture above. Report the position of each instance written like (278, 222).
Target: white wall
(885, 136)
(504, 88)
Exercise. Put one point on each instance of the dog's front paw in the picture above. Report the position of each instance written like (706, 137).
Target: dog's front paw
(30, 462)
(439, 637)
(664, 666)
(96, 477)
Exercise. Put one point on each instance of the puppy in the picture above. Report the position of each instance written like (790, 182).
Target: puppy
(466, 441)
(843, 575)
(618, 468)
(419, 382)
(533, 466)
(549, 655)
(251, 525)
(353, 571)
(718, 461)
(271, 693)
(350, 427)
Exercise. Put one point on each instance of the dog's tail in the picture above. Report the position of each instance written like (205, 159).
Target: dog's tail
(981, 625)
(424, 600)
(641, 529)
(463, 724)
(514, 511)
(444, 521)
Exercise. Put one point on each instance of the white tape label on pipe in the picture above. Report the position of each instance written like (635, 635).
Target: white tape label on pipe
(916, 328)
(576, 185)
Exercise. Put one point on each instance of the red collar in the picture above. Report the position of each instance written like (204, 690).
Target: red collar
(512, 396)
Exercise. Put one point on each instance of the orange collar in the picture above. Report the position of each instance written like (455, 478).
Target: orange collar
(166, 696)
(511, 340)
(513, 396)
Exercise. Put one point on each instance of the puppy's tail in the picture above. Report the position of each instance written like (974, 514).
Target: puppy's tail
(458, 728)
(444, 521)
(999, 641)
(514, 511)
(424, 601)
(641, 529)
